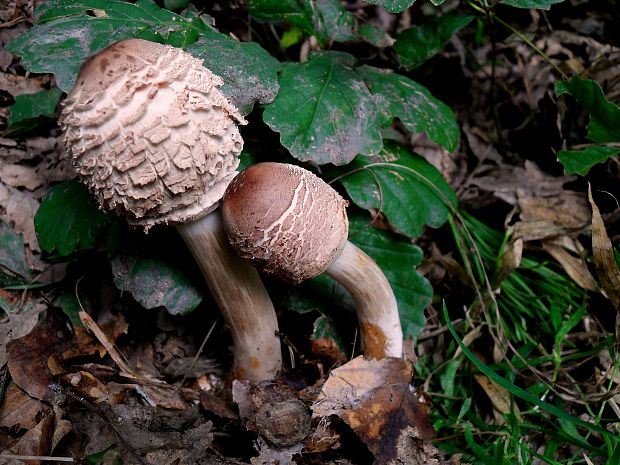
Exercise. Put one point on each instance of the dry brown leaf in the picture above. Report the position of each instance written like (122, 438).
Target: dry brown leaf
(18, 209)
(575, 266)
(604, 260)
(510, 260)
(16, 325)
(269, 456)
(37, 441)
(20, 411)
(499, 396)
(375, 399)
(512, 182)
(28, 356)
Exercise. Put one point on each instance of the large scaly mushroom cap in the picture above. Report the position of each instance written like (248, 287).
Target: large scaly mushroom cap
(150, 133)
(304, 228)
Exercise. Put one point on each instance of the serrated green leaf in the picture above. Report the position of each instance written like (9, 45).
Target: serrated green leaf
(393, 6)
(12, 254)
(529, 4)
(30, 110)
(155, 281)
(324, 19)
(299, 13)
(604, 123)
(398, 259)
(413, 104)
(409, 190)
(417, 44)
(580, 161)
(339, 24)
(249, 72)
(324, 112)
(66, 35)
(68, 219)
(374, 35)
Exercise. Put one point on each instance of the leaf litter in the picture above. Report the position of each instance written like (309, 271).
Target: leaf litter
(107, 403)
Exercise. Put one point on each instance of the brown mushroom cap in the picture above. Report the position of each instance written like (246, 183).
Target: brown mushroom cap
(150, 133)
(286, 220)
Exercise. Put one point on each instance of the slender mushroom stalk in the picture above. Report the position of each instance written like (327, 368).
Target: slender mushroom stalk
(293, 225)
(154, 138)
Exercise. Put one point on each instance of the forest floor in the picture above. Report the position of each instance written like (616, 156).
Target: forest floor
(135, 386)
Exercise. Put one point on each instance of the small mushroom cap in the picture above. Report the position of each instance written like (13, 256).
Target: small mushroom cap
(287, 221)
(150, 133)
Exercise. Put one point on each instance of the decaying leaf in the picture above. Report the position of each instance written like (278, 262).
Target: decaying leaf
(17, 325)
(20, 411)
(28, 356)
(606, 266)
(506, 182)
(574, 265)
(375, 399)
(269, 456)
(499, 396)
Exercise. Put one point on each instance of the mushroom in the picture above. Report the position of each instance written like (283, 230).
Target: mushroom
(154, 138)
(293, 225)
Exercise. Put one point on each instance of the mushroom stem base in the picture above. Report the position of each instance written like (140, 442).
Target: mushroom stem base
(377, 312)
(241, 297)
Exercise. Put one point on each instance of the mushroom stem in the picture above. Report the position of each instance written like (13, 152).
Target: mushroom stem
(377, 311)
(241, 297)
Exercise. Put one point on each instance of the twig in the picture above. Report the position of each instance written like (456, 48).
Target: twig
(36, 457)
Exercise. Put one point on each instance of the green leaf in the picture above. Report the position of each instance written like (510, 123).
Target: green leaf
(413, 104)
(68, 219)
(299, 13)
(604, 123)
(417, 44)
(529, 4)
(324, 112)
(580, 161)
(66, 35)
(324, 19)
(398, 259)
(374, 35)
(29, 110)
(12, 254)
(339, 24)
(393, 6)
(249, 72)
(409, 190)
(155, 281)
(70, 305)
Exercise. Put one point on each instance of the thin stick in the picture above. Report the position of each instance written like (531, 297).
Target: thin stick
(202, 346)
(36, 457)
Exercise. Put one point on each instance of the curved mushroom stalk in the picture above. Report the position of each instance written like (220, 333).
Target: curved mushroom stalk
(377, 311)
(241, 297)
(292, 224)
(153, 137)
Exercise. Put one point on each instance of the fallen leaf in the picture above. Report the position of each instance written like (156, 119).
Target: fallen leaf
(20, 411)
(499, 396)
(375, 399)
(36, 441)
(17, 325)
(269, 456)
(18, 209)
(508, 183)
(28, 356)
(604, 261)
(575, 266)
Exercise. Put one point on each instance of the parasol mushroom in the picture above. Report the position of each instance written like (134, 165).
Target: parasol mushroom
(293, 225)
(154, 138)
